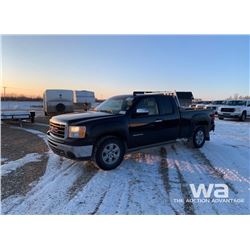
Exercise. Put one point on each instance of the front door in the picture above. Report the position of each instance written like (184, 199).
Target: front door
(144, 129)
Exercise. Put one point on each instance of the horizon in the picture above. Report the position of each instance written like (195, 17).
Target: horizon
(212, 67)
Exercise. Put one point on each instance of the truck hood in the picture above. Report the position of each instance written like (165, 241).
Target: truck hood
(75, 118)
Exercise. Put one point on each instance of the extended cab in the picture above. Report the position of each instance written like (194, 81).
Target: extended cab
(126, 123)
(235, 109)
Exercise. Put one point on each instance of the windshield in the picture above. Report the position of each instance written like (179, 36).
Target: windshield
(236, 103)
(116, 105)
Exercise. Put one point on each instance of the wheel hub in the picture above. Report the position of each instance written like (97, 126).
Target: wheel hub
(111, 153)
(199, 137)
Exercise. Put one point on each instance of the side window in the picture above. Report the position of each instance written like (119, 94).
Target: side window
(150, 104)
(166, 106)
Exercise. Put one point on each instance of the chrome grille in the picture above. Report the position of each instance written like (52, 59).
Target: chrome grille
(227, 109)
(57, 129)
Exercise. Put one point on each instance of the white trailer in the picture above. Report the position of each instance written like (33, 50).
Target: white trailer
(57, 101)
(84, 97)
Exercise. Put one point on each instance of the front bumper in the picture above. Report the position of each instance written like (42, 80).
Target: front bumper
(71, 152)
(229, 115)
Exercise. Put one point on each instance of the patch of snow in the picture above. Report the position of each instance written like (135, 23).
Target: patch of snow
(21, 105)
(13, 165)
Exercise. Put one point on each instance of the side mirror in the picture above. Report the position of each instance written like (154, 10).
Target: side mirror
(141, 112)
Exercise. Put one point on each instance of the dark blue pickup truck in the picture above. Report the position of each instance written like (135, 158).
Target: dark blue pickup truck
(127, 123)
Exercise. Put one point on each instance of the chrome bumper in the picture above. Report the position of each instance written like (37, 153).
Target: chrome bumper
(72, 152)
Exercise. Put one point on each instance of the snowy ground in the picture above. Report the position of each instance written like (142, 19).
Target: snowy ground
(23, 105)
(154, 181)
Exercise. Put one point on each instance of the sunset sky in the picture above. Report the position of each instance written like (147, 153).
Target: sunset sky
(213, 67)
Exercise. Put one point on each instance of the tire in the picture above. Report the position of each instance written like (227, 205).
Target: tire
(221, 118)
(109, 153)
(243, 116)
(199, 137)
(60, 107)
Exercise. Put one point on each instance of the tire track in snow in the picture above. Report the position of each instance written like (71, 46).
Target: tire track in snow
(203, 160)
(83, 179)
(164, 172)
(188, 206)
(99, 202)
(191, 172)
(147, 191)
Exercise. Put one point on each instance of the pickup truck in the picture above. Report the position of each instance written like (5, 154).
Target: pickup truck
(127, 123)
(235, 109)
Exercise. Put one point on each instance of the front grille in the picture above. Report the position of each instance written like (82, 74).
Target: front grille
(57, 129)
(227, 110)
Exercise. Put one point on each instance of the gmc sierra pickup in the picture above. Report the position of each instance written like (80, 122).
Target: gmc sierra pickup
(127, 123)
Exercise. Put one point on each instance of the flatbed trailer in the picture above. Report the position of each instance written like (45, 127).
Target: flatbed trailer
(18, 115)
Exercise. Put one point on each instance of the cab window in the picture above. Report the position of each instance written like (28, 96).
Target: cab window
(150, 104)
(165, 105)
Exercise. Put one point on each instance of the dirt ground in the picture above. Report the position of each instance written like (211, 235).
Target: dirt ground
(15, 144)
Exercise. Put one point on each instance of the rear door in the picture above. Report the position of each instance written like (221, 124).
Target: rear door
(169, 116)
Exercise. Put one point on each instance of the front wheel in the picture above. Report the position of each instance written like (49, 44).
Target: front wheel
(109, 153)
(199, 137)
(243, 116)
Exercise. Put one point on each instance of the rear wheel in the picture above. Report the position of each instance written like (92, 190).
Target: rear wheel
(199, 137)
(109, 153)
(221, 118)
(243, 116)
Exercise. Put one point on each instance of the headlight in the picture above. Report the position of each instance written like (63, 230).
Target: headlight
(238, 109)
(77, 131)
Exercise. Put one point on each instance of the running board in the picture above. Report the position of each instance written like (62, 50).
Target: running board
(149, 146)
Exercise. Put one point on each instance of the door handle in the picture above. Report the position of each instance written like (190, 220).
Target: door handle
(158, 120)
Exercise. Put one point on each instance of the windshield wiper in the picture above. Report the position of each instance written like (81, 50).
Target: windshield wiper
(105, 111)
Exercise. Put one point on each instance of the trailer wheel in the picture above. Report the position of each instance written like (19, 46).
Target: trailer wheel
(60, 107)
